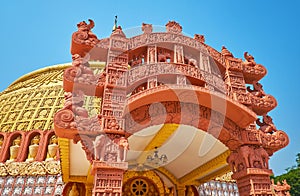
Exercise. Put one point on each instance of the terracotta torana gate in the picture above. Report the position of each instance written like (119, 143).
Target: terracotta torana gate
(191, 83)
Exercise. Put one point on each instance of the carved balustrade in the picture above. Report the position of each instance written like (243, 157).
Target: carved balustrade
(139, 74)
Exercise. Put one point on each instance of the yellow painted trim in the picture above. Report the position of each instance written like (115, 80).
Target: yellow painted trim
(159, 139)
(214, 175)
(205, 169)
(64, 147)
(168, 174)
(39, 71)
(81, 179)
(90, 177)
(53, 67)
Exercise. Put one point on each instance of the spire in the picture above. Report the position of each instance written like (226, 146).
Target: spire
(115, 24)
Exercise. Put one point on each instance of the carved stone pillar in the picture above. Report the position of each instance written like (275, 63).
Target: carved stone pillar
(110, 148)
(204, 62)
(152, 82)
(236, 87)
(152, 54)
(250, 168)
(108, 177)
(178, 54)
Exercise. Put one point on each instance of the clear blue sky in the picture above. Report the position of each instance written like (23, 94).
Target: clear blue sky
(35, 34)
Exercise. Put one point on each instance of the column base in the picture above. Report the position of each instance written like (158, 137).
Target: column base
(108, 178)
(254, 182)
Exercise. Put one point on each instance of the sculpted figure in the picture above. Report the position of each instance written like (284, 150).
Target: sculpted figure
(248, 157)
(88, 37)
(1, 142)
(249, 59)
(190, 61)
(74, 191)
(113, 124)
(173, 27)
(267, 125)
(199, 38)
(257, 89)
(100, 147)
(152, 55)
(14, 149)
(83, 40)
(33, 148)
(123, 148)
(147, 28)
(75, 103)
(52, 148)
(162, 56)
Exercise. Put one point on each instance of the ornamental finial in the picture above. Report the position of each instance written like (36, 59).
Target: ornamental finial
(115, 24)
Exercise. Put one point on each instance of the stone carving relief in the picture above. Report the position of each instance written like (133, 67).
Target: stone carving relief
(103, 136)
(80, 72)
(199, 38)
(14, 149)
(52, 148)
(147, 28)
(281, 189)
(249, 60)
(248, 157)
(173, 27)
(153, 38)
(110, 148)
(273, 142)
(163, 55)
(30, 168)
(83, 39)
(74, 116)
(225, 52)
(33, 148)
(257, 89)
(189, 60)
(267, 125)
(261, 102)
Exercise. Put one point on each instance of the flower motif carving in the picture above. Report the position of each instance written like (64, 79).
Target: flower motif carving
(30, 168)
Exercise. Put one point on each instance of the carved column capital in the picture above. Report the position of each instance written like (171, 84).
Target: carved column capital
(250, 167)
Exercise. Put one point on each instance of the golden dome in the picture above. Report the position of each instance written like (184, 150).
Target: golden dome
(31, 101)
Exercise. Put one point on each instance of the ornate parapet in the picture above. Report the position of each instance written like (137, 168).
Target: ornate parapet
(83, 40)
(192, 74)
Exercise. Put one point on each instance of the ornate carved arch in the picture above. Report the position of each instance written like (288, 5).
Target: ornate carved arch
(10, 138)
(26, 143)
